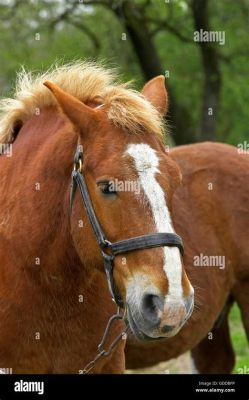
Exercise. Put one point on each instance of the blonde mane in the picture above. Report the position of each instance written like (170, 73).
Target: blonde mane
(126, 107)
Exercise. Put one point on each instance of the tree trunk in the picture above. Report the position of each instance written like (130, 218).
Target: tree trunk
(179, 118)
(212, 75)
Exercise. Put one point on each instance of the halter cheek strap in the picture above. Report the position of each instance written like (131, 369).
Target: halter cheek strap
(108, 249)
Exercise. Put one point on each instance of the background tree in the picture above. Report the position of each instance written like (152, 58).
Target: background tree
(144, 38)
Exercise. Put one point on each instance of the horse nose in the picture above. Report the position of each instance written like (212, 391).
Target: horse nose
(164, 315)
(151, 306)
(167, 328)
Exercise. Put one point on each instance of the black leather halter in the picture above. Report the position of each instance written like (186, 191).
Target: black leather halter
(110, 250)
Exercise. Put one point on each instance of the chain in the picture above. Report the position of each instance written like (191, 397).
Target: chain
(101, 353)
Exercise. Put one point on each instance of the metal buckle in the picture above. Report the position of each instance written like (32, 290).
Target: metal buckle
(78, 159)
(78, 165)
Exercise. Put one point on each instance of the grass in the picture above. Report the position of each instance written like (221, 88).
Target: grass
(239, 341)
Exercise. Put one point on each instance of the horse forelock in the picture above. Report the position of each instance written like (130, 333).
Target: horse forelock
(89, 82)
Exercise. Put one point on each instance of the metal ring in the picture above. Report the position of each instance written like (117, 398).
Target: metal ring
(78, 165)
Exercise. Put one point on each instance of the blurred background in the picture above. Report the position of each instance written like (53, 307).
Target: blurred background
(208, 82)
(144, 38)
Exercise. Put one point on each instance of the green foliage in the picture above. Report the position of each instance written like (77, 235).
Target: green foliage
(239, 341)
(69, 30)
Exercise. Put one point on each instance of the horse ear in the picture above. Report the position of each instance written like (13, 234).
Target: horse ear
(155, 92)
(79, 113)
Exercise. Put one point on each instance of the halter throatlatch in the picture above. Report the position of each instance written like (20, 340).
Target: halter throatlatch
(108, 249)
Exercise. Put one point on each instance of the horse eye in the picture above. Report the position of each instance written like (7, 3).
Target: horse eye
(107, 188)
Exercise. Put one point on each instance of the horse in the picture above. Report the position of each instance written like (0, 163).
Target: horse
(66, 233)
(210, 211)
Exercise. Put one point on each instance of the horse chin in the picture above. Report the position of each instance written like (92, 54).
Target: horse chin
(137, 332)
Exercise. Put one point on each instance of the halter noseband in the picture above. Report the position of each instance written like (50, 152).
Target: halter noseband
(110, 250)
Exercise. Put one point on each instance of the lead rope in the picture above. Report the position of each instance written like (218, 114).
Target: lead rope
(101, 350)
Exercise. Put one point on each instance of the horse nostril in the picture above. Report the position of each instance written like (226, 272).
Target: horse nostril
(167, 328)
(151, 305)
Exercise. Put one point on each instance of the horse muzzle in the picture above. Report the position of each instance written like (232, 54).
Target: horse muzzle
(155, 316)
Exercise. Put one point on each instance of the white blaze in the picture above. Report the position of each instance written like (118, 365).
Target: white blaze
(146, 163)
